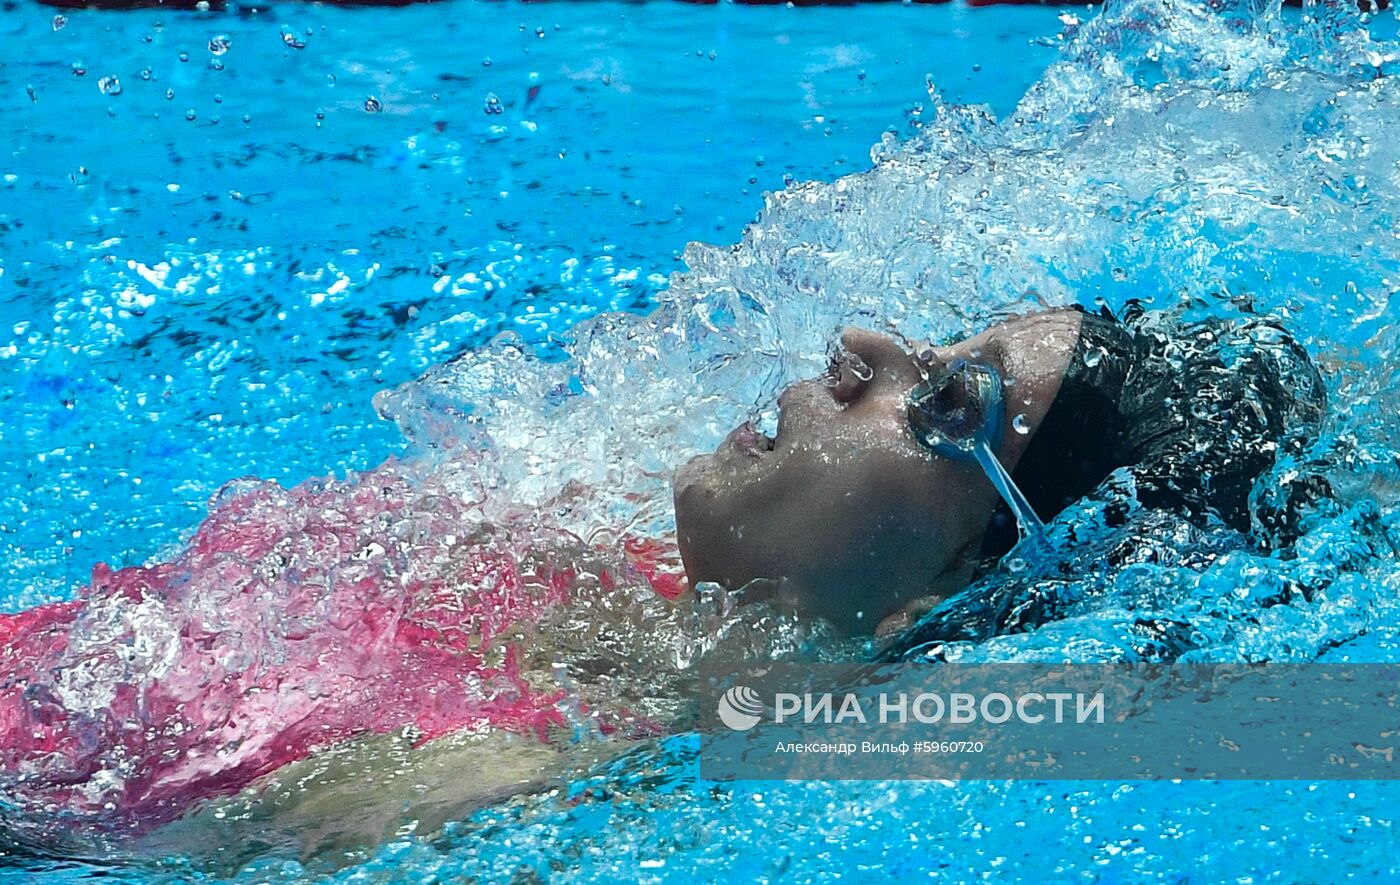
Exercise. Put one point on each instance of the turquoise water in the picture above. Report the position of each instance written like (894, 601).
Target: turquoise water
(1162, 151)
(166, 323)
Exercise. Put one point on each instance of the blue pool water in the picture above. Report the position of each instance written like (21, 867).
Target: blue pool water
(165, 280)
(1163, 151)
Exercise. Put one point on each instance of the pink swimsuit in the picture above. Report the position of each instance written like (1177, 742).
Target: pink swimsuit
(294, 619)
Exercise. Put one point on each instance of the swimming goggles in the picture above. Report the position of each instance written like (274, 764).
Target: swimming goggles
(960, 413)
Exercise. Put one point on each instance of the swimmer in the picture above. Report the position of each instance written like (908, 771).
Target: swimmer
(303, 631)
(901, 477)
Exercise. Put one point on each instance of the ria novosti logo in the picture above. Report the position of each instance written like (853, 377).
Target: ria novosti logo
(740, 708)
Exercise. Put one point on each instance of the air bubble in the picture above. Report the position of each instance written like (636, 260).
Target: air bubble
(1021, 424)
(493, 104)
(110, 86)
(1093, 357)
(373, 105)
(59, 21)
(220, 44)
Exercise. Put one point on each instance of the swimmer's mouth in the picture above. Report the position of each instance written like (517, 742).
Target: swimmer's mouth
(746, 440)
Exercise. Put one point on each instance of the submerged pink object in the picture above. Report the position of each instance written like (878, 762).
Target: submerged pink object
(294, 619)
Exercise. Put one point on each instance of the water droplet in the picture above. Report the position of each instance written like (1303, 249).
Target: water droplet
(184, 56)
(290, 38)
(59, 21)
(79, 69)
(1093, 357)
(110, 86)
(858, 367)
(493, 104)
(486, 62)
(1021, 424)
(190, 115)
(169, 94)
(373, 105)
(29, 90)
(145, 73)
(219, 44)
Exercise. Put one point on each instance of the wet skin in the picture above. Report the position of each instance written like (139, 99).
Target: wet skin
(844, 515)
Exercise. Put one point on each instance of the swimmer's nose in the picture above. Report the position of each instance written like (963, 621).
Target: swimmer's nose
(886, 357)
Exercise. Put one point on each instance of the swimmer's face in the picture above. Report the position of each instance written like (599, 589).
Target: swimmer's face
(843, 508)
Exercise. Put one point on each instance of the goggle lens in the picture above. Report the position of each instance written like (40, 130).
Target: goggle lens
(949, 408)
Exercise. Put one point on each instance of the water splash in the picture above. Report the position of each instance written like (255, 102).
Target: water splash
(293, 620)
(1217, 159)
(1213, 158)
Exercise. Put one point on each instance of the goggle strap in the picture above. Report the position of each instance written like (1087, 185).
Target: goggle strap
(1010, 493)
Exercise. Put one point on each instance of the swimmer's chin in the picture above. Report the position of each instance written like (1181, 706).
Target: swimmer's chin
(691, 475)
(700, 479)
